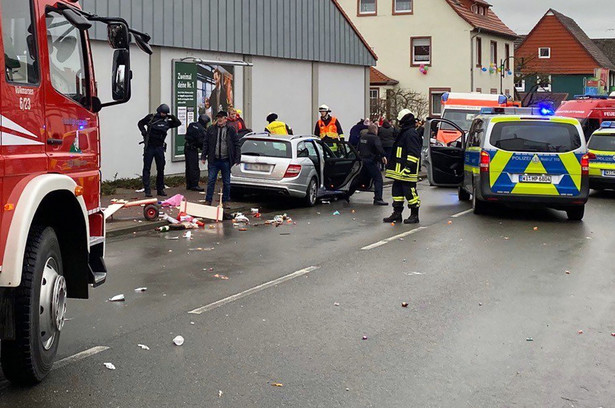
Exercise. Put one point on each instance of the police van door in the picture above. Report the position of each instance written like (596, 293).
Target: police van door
(445, 162)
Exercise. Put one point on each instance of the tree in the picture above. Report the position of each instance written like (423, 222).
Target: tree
(397, 99)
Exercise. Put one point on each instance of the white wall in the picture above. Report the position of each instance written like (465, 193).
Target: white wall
(121, 153)
(283, 87)
(342, 87)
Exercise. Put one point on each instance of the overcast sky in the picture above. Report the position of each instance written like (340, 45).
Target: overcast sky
(596, 17)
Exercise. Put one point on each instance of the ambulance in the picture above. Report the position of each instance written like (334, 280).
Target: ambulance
(52, 228)
(602, 157)
(518, 157)
(590, 111)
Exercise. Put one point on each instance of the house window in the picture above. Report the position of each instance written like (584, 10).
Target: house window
(435, 100)
(520, 85)
(421, 51)
(479, 90)
(367, 7)
(402, 7)
(374, 94)
(544, 52)
(494, 91)
(507, 56)
(507, 92)
(544, 83)
(494, 53)
(479, 52)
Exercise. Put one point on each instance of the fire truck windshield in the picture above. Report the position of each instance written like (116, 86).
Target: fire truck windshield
(461, 117)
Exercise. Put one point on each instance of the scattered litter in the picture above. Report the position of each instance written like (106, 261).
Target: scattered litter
(243, 229)
(178, 341)
(325, 202)
(220, 393)
(170, 219)
(192, 323)
(285, 233)
(276, 384)
(211, 226)
(450, 222)
(117, 298)
(279, 220)
(580, 332)
(613, 334)
(529, 339)
(413, 273)
(201, 249)
(336, 213)
(392, 224)
(141, 290)
(404, 304)
(143, 346)
(588, 238)
(364, 337)
(174, 201)
(506, 238)
(188, 234)
(317, 212)
(223, 277)
(172, 238)
(254, 211)
(480, 304)
(170, 250)
(353, 211)
(567, 272)
(141, 190)
(535, 228)
(109, 366)
(336, 304)
(241, 219)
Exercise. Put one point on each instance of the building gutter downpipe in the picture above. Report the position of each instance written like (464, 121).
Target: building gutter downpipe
(472, 59)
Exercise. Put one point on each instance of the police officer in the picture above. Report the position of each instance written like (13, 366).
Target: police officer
(372, 154)
(154, 128)
(277, 127)
(403, 168)
(195, 136)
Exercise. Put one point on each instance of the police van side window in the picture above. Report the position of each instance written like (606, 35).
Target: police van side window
(476, 132)
(66, 61)
(19, 40)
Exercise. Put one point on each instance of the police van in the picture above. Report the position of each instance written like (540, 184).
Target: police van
(515, 156)
(602, 157)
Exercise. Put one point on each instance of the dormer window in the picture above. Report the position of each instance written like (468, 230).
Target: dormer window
(480, 8)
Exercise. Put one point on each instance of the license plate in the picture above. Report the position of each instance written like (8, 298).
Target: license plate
(535, 178)
(257, 167)
(608, 173)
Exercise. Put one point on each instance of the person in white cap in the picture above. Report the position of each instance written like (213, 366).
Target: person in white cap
(328, 126)
(403, 168)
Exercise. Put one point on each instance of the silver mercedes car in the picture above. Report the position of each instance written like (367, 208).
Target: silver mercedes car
(301, 167)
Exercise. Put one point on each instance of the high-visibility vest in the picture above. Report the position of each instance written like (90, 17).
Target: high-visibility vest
(329, 130)
(277, 128)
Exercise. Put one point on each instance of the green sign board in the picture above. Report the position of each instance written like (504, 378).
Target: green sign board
(184, 91)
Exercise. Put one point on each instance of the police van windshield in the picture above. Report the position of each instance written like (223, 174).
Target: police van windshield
(461, 117)
(266, 148)
(606, 143)
(551, 137)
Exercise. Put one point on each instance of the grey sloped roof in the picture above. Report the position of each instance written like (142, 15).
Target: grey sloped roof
(607, 45)
(585, 41)
(313, 30)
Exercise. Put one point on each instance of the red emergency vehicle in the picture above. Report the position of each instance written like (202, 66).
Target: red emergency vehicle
(52, 229)
(591, 111)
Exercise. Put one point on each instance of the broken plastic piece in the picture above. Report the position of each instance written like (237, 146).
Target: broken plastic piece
(220, 393)
(241, 219)
(117, 298)
(141, 289)
(535, 228)
(109, 366)
(178, 341)
(529, 339)
(174, 201)
(143, 346)
(170, 219)
(580, 332)
(188, 234)
(336, 213)
(276, 384)
(404, 304)
(364, 337)
(336, 304)
(255, 211)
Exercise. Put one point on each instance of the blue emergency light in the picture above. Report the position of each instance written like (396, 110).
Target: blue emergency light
(445, 96)
(607, 125)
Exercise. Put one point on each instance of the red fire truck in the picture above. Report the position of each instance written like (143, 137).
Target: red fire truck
(52, 230)
(590, 110)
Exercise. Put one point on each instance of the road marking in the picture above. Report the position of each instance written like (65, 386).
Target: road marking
(253, 290)
(386, 241)
(462, 213)
(79, 356)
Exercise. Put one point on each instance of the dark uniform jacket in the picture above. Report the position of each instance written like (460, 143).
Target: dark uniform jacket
(387, 136)
(154, 128)
(195, 136)
(404, 161)
(370, 147)
(232, 143)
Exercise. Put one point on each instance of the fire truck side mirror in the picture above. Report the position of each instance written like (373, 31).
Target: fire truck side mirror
(119, 37)
(76, 19)
(121, 75)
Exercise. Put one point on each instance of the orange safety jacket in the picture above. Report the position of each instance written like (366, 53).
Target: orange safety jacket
(329, 130)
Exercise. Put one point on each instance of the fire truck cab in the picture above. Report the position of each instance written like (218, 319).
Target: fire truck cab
(590, 110)
(52, 229)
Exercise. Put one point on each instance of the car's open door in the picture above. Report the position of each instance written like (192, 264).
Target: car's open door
(342, 164)
(445, 162)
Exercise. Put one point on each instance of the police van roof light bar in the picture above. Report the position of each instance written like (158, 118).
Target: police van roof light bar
(608, 125)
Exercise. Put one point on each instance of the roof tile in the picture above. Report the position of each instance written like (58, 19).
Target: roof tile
(489, 22)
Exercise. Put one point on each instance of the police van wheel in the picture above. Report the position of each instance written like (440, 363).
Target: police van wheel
(463, 194)
(576, 213)
(40, 309)
(479, 207)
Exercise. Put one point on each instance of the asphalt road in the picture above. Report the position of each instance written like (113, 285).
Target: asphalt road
(478, 289)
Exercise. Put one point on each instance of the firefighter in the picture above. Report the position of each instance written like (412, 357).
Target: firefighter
(195, 137)
(276, 127)
(328, 128)
(403, 168)
(154, 128)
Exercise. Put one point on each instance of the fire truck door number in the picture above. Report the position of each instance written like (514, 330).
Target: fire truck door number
(25, 104)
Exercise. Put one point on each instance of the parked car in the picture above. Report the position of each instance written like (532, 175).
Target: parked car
(301, 167)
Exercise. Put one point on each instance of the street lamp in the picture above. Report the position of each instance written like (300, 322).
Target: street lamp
(503, 71)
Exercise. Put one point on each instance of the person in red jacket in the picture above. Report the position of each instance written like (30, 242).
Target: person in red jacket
(235, 121)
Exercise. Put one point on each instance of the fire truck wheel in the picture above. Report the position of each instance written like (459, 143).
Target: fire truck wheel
(40, 309)
(150, 212)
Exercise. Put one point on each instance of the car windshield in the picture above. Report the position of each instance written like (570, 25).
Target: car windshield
(266, 148)
(606, 143)
(461, 117)
(536, 136)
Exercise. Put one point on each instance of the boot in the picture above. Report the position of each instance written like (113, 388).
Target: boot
(395, 217)
(414, 216)
(162, 193)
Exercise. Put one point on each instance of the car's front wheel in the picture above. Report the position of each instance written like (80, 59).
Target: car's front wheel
(311, 194)
(40, 309)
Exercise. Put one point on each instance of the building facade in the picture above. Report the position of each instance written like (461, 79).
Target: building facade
(260, 56)
(437, 46)
(558, 57)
